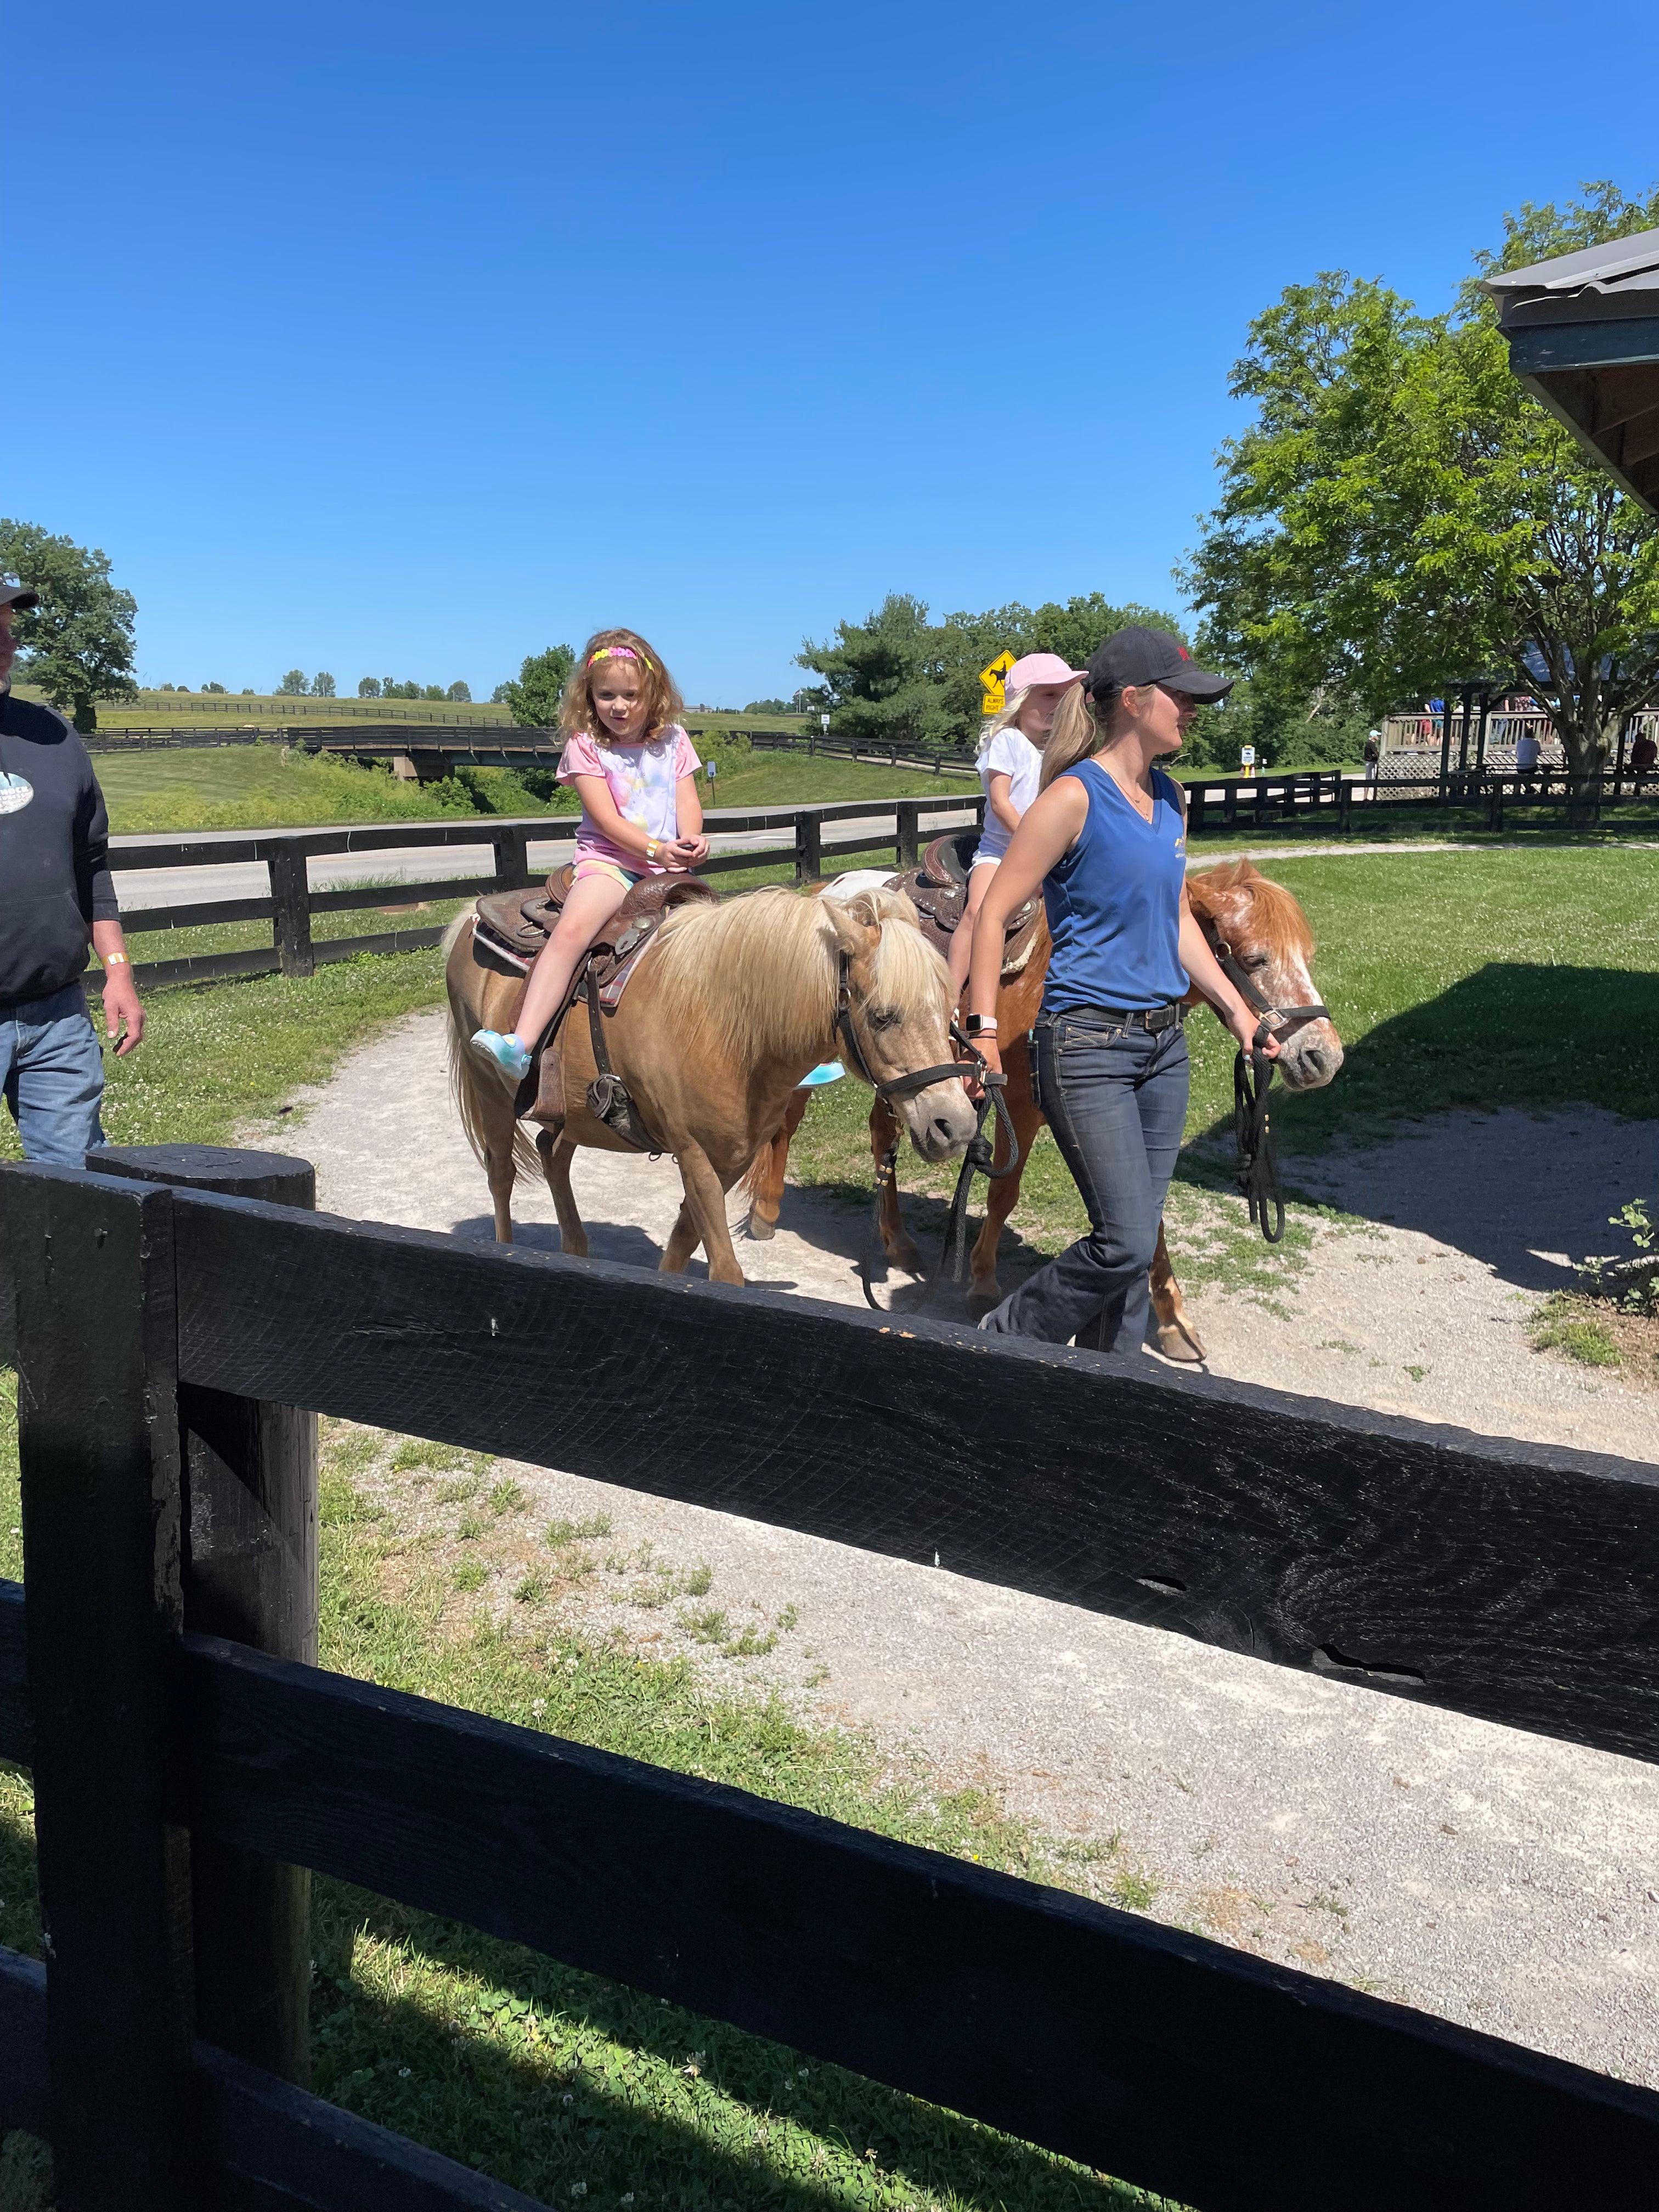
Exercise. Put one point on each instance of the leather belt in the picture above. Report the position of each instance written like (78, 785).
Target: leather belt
(1151, 1018)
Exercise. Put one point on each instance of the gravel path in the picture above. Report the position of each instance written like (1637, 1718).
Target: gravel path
(1496, 1878)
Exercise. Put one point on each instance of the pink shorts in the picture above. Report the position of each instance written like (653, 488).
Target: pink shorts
(589, 865)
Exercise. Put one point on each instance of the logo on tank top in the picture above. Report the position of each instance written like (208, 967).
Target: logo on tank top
(15, 793)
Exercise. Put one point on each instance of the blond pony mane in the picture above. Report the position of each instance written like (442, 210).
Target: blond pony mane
(758, 973)
(1278, 919)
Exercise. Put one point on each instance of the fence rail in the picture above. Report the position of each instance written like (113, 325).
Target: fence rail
(292, 902)
(160, 1327)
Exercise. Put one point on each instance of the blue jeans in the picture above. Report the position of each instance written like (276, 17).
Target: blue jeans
(1116, 1101)
(52, 1071)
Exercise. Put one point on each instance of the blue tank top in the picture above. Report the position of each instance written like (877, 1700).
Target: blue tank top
(1114, 902)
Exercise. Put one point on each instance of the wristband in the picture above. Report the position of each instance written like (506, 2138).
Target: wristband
(982, 1024)
(651, 845)
(115, 959)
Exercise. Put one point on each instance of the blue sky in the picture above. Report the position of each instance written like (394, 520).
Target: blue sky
(411, 339)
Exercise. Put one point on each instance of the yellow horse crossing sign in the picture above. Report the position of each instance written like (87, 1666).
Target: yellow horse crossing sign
(990, 679)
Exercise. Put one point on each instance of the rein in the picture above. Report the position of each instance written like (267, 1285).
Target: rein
(1257, 1173)
(976, 1158)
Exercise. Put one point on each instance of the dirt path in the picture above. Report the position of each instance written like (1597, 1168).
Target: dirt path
(1493, 1877)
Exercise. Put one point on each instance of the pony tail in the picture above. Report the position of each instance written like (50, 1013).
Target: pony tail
(1078, 730)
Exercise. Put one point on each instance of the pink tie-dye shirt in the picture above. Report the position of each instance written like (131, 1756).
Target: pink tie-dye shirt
(643, 780)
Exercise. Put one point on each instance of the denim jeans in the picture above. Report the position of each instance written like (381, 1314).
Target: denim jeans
(52, 1071)
(1116, 1101)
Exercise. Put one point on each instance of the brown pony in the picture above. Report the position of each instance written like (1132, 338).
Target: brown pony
(728, 1008)
(1267, 932)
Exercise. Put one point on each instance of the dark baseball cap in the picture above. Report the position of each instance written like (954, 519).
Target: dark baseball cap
(17, 595)
(1139, 655)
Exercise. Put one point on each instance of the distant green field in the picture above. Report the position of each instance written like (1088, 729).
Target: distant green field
(267, 787)
(231, 710)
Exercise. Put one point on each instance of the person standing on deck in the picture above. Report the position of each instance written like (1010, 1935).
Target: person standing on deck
(56, 900)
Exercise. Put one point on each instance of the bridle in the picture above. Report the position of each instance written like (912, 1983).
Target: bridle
(1258, 1167)
(977, 1156)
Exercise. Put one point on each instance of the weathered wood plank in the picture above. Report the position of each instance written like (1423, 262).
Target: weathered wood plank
(1195, 2069)
(25, 2095)
(17, 1715)
(249, 1572)
(277, 2147)
(98, 1441)
(1514, 1585)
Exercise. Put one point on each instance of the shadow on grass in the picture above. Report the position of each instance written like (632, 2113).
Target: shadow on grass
(1512, 1035)
(622, 2098)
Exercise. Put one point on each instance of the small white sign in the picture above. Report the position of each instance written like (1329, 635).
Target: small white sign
(1247, 757)
(825, 719)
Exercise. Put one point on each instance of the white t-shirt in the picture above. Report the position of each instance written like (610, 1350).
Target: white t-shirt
(1013, 755)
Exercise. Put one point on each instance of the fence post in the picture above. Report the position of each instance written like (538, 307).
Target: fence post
(250, 1573)
(512, 858)
(1345, 804)
(809, 847)
(907, 832)
(98, 1441)
(291, 924)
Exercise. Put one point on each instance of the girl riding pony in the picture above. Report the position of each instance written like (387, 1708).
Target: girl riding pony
(636, 772)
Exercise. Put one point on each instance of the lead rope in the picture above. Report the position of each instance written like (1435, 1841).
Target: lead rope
(977, 1158)
(1258, 1167)
(1257, 1174)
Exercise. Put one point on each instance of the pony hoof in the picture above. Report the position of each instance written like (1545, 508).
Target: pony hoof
(979, 1303)
(907, 1256)
(761, 1229)
(1175, 1342)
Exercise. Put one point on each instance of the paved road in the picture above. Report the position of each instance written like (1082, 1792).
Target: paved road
(141, 887)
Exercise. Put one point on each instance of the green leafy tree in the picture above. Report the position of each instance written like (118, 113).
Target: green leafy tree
(461, 692)
(78, 643)
(895, 674)
(1401, 516)
(217, 689)
(368, 687)
(433, 691)
(533, 700)
(767, 707)
(322, 685)
(294, 684)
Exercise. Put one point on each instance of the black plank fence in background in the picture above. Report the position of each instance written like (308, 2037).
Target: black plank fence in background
(172, 1345)
(896, 826)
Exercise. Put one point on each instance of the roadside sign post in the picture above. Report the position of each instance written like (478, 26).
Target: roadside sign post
(991, 682)
(1247, 759)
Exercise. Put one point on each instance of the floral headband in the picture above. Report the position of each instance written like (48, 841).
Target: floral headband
(617, 653)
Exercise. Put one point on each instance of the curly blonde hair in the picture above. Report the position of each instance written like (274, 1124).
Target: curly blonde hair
(664, 705)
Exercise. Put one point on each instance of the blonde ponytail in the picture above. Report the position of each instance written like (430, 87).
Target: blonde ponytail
(994, 724)
(1079, 730)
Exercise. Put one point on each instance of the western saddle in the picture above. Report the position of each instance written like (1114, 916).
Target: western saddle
(509, 929)
(939, 891)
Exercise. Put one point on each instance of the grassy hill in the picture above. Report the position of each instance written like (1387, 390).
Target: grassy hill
(268, 786)
(233, 710)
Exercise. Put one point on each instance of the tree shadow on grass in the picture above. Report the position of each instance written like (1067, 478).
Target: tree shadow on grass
(623, 2098)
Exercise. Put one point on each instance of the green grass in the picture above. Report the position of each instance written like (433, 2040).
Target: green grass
(273, 786)
(556, 2081)
(1566, 1323)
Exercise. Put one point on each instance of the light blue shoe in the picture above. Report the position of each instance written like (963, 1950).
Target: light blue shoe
(503, 1052)
(830, 1072)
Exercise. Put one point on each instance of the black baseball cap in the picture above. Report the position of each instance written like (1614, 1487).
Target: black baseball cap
(1139, 655)
(17, 595)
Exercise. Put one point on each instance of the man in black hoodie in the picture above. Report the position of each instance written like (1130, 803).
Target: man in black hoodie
(56, 899)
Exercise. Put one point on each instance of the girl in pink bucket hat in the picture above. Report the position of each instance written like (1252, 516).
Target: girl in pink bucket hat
(1010, 763)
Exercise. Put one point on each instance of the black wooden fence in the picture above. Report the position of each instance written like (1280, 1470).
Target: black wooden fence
(166, 1335)
(291, 901)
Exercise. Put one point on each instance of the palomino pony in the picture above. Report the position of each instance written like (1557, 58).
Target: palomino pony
(1260, 925)
(729, 1006)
